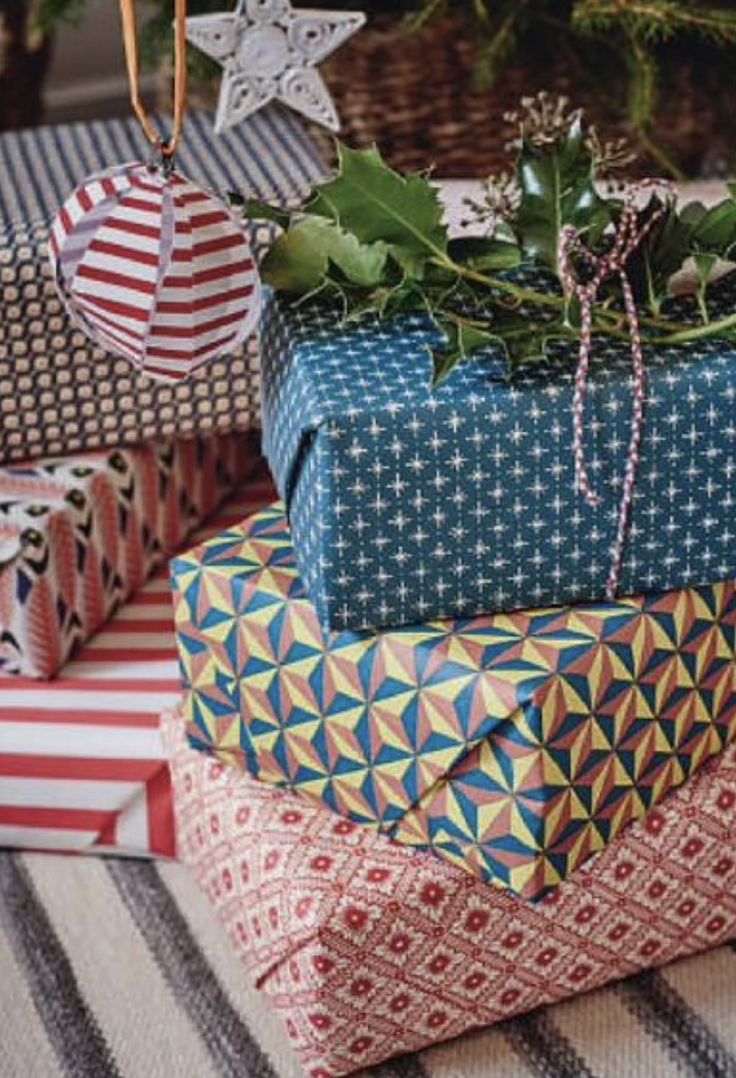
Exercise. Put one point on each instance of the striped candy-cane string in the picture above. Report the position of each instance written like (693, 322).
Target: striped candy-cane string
(627, 239)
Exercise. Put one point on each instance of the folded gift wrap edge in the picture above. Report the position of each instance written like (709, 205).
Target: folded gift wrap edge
(74, 749)
(562, 843)
(68, 567)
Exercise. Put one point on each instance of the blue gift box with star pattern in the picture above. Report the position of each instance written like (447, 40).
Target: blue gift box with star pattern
(407, 503)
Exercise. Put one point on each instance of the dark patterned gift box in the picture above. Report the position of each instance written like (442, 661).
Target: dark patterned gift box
(80, 534)
(59, 393)
(407, 504)
(514, 745)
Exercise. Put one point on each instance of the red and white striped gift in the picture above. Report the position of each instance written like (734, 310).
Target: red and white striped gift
(82, 764)
(155, 269)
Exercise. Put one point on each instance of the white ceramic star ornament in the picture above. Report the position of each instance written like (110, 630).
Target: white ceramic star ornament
(269, 53)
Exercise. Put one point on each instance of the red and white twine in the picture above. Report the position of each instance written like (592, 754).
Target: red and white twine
(629, 235)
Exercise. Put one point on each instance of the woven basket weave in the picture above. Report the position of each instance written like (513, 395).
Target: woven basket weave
(416, 96)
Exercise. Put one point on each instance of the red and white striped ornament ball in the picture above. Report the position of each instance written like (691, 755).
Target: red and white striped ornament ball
(155, 269)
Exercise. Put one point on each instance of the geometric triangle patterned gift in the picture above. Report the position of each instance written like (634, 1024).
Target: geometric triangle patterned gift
(515, 745)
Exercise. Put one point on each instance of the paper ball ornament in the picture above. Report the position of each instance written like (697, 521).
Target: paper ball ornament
(155, 269)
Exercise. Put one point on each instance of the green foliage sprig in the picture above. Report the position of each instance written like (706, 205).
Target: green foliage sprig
(375, 242)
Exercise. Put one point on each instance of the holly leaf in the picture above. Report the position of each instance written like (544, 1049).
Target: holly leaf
(462, 339)
(558, 189)
(256, 210)
(484, 253)
(715, 231)
(300, 259)
(377, 205)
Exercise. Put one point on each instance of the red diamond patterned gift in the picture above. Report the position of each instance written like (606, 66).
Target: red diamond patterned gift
(369, 950)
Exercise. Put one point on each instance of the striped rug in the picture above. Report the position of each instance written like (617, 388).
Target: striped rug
(119, 968)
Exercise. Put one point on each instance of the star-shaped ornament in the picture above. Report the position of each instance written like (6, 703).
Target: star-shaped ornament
(269, 53)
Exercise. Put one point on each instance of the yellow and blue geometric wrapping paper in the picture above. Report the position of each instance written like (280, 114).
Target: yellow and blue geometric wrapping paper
(515, 745)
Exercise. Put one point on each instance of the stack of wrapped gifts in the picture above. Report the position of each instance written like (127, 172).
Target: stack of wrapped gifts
(419, 717)
(430, 770)
(104, 474)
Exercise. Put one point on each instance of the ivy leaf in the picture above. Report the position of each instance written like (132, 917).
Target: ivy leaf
(377, 205)
(462, 339)
(713, 237)
(529, 344)
(692, 213)
(300, 259)
(558, 189)
(486, 254)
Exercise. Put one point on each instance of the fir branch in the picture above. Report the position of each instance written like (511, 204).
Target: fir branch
(643, 84)
(656, 20)
(501, 43)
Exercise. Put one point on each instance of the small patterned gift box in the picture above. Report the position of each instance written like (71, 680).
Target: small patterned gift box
(367, 951)
(513, 745)
(407, 504)
(79, 535)
(58, 392)
(83, 767)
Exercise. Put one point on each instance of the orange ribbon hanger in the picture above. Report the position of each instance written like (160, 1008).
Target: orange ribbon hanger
(130, 42)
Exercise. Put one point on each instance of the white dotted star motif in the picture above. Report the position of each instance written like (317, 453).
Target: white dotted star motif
(436, 522)
(269, 53)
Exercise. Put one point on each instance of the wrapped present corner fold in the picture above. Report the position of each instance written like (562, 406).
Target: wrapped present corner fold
(83, 767)
(80, 534)
(514, 745)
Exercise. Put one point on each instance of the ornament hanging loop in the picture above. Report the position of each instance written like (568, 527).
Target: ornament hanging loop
(161, 160)
(164, 151)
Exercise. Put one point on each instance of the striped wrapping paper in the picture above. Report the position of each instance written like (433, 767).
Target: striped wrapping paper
(59, 393)
(79, 535)
(155, 269)
(82, 764)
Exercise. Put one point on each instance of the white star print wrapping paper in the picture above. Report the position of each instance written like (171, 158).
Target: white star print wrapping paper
(269, 52)
(407, 505)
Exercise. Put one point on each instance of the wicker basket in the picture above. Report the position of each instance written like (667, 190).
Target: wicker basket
(416, 96)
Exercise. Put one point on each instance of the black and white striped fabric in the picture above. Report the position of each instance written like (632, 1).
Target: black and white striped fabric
(120, 969)
(269, 156)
